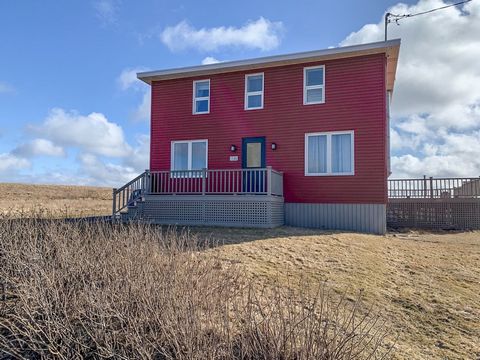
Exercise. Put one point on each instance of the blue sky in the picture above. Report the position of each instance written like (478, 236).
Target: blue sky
(66, 75)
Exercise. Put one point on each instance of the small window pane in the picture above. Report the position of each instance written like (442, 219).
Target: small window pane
(342, 153)
(180, 156)
(199, 155)
(314, 95)
(255, 83)
(317, 154)
(201, 106)
(202, 89)
(254, 101)
(254, 155)
(314, 76)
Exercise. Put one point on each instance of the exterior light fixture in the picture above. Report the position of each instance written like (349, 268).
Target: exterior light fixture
(233, 148)
(274, 146)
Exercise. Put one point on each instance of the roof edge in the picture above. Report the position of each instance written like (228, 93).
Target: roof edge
(345, 51)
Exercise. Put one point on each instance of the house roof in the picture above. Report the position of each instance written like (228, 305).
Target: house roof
(390, 48)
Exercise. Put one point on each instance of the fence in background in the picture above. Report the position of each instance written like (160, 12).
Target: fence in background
(434, 203)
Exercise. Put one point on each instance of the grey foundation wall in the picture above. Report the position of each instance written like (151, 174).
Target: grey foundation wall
(369, 218)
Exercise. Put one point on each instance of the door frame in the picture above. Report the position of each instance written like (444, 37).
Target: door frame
(245, 141)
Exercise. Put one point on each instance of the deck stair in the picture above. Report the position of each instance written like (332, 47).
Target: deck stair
(228, 197)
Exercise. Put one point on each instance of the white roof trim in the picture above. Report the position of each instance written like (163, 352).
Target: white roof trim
(390, 47)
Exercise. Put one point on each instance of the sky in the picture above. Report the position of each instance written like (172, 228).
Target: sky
(73, 112)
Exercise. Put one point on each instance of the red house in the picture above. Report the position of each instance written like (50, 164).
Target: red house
(299, 139)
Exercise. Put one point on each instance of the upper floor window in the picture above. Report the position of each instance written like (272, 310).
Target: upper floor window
(254, 91)
(329, 153)
(201, 97)
(314, 85)
(189, 155)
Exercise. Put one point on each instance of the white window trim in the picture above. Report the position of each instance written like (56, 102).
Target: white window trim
(247, 94)
(189, 153)
(329, 153)
(195, 99)
(311, 87)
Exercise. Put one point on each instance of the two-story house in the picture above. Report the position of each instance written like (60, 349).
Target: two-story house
(299, 139)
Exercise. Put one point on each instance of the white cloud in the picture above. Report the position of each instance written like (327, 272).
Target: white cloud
(127, 80)
(261, 34)
(103, 156)
(39, 147)
(142, 112)
(91, 133)
(210, 60)
(6, 88)
(140, 155)
(106, 10)
(106, 173)
(456, 155)
(98, 171)
(436, 101)
(10, 163)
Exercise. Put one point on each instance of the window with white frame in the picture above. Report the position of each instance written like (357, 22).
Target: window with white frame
(254, 91)
(201, 97)
(329, 153)
(314, 85)
(189, 155)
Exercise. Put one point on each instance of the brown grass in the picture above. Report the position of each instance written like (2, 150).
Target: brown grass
(93, 290)
(428, 284)
(56, 199)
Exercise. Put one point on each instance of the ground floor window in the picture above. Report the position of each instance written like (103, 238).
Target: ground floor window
(329, 153)
(189, 155)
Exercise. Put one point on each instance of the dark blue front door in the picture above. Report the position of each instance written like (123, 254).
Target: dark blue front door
(253, 157)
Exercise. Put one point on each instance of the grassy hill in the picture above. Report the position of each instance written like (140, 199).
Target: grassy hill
(57, 199)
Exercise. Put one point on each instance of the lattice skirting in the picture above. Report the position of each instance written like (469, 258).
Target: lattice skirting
(434, 213)
(213, 210)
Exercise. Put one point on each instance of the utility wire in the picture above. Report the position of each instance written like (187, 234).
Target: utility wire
(429, 11)
(389, 17)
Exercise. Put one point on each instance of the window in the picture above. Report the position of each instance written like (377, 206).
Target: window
(314, 85)
(254, 91)
(189, 155)
(329, 153)
(201, 97)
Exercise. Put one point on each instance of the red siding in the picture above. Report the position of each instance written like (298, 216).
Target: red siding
(355, 100)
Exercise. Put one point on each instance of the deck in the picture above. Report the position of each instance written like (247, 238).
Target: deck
(217, 197)
(434, 203)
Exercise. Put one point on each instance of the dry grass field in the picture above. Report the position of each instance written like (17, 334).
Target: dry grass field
(427, 285)
(56, 199)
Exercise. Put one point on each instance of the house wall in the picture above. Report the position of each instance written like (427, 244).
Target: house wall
(355, 99)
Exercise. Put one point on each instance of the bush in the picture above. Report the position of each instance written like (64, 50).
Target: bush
(97, 290)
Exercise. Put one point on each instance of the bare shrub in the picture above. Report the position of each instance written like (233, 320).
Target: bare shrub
(97, 290)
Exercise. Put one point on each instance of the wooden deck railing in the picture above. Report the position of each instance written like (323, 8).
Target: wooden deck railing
(264, 181)
(434, 188)
(129, 193)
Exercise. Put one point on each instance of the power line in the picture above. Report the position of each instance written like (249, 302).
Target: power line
(389, 17)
